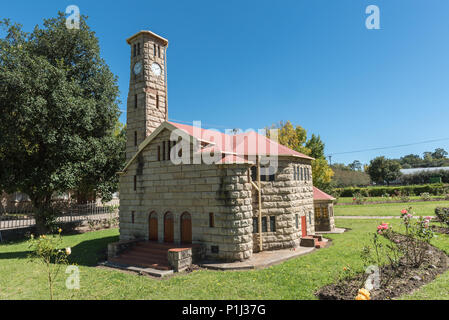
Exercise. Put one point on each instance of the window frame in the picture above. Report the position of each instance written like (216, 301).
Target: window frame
(264, 224)
(211, 220)
(255, 225)
(272, 223)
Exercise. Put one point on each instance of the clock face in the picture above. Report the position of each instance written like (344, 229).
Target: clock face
(137, 68)
(156, 69)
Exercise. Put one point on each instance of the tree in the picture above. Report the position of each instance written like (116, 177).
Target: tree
(412, 160)
(439, 153)
(59, 113)
(356, 165)
(316, 147)
(296, 138)
(383, 170)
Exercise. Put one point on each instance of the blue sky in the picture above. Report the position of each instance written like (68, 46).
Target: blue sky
(248, 64)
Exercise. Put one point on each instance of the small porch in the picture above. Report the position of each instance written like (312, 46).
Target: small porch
(324, 211)
(154, 255)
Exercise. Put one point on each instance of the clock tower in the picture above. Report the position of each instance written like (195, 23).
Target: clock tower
(147, 97)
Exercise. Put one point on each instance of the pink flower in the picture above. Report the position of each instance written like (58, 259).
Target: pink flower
(404, 211)
(383, 226)
(428, 218)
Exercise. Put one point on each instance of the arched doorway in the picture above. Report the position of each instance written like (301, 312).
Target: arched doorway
(152, 225)
(186, 228)
(169, 227)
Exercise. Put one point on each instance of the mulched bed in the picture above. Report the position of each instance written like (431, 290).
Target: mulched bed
(443, 230)
(409, 279)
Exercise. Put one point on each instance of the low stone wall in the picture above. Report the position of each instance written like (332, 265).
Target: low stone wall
(182, 258)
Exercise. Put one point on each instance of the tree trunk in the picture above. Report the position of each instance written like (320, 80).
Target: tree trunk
(43, 213)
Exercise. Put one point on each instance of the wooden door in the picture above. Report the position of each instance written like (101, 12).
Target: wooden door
(303, 226)
(168, 227)
(152, 225)
(186, 228)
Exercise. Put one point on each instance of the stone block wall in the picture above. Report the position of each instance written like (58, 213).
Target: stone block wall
(198, 189)
(284, 198)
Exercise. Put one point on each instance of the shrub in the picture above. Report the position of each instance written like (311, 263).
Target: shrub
(442, 215)
(49, 251)
(358, 199)
(425, 196)
(401, 250)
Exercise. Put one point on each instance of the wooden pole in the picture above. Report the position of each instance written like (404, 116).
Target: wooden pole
(260, 203)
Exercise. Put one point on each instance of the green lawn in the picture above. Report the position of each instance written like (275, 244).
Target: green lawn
(389, 209)
(349, 200)
(298, 278)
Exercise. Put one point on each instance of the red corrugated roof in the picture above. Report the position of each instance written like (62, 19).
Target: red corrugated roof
(249, 143)
(233, 159)
(321, 195)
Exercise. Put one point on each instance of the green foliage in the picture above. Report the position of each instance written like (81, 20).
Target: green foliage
(424, 177)
(48, 251)
(433, 189)
(295, 138)
(425, 196)
(438, 158)
(59, 114)
(442, 215)
(382, 170)
(294, 279)
(359, 199)
(316, 147)
(349, 178)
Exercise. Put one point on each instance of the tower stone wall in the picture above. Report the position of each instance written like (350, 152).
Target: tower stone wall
(147, 97)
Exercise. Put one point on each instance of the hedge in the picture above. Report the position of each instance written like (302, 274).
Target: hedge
(433, 189)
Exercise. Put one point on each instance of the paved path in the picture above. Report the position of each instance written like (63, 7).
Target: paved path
(259, 260)
(372, 217)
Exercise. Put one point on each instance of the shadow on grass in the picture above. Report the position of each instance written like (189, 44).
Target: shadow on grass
(86, 253)
(90, 252)
(15, 255)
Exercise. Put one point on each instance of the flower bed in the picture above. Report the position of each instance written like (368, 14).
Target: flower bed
(397, 263)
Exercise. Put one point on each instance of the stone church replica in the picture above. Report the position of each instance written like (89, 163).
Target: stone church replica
(230, 208)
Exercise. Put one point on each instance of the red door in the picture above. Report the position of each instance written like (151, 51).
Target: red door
(303, 226)
(153, 227)
(168, 227)
(186, 228)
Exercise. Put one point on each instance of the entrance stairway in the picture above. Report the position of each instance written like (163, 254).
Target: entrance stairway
(147, 254)
(316, 241)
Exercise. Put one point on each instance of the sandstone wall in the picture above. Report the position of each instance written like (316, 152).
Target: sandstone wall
(284, 198)
(196, 188)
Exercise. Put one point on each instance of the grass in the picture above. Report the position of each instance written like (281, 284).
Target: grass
(389, 209)
(299, 278)
(349, 200)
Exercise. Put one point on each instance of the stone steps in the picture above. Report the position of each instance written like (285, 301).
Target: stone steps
(313, 241)
(145, 255)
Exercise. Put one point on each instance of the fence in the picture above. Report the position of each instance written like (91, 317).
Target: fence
(23, 216)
